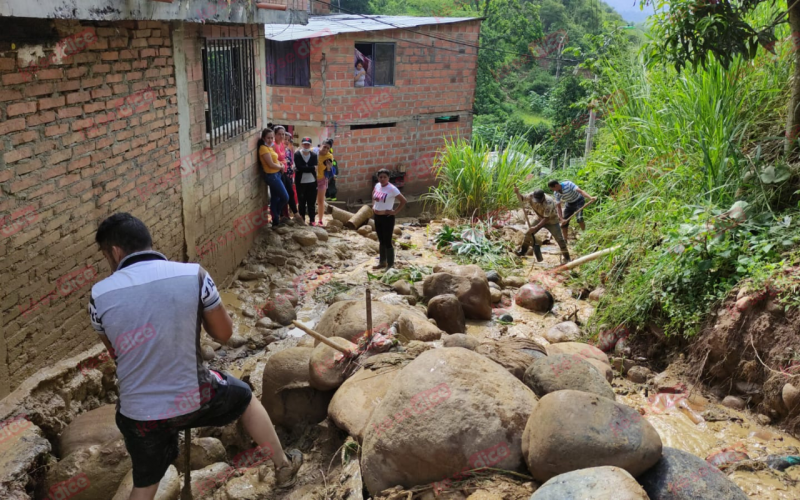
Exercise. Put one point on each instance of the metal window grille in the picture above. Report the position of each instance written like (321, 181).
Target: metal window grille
(229, 80)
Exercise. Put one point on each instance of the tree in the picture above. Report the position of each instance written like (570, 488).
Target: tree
(690, 32)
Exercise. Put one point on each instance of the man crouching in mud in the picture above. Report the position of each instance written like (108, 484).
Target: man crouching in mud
(148, 314)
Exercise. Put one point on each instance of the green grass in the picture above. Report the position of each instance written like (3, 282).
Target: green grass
(471, 185)
(530, 119)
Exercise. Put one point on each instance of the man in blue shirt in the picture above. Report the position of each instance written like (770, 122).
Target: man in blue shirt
(567, 193)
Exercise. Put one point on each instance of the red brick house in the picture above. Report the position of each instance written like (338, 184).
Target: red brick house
(149, 107)
(419, 89)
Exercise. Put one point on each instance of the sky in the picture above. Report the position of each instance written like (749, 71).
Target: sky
(629, 9)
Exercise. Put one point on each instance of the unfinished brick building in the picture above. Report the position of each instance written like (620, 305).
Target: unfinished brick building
(147, 107)
(419, 89)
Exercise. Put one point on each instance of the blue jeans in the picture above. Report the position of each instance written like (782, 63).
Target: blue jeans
(278, 197)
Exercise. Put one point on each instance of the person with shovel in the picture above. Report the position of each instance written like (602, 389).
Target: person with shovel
(545, 208)
(574, 199)
(148, 314)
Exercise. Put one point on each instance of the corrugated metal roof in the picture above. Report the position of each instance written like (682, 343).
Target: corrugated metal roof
(319, 26)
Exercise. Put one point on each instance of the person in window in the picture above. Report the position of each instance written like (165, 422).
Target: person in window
(287, 176)
(305, 161)
(148, 314)
(324, 165)
(272, 170)
(360, 75)
(383, 196)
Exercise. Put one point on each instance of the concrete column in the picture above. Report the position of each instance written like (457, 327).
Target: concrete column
(188, 198)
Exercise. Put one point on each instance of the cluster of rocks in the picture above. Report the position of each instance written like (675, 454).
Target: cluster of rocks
(426, 414)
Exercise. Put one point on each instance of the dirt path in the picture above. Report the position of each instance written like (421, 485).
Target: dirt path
(323, 475)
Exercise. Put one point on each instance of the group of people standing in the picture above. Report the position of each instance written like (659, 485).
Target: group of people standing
(297, 180)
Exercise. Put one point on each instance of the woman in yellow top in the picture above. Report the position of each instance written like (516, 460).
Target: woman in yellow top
(272, 170)
(324, 162)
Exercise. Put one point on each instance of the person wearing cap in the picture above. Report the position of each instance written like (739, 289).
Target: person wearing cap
(305, 180)
(545, 209)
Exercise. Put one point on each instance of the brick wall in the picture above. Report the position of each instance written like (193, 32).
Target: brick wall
(90, 133)
(429, 82)
(231, 188)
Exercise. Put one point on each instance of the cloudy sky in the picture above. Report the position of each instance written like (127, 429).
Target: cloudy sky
(629, 9)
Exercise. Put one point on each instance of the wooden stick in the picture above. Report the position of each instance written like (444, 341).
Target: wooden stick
(584, 259)
(522, 207)
(186, 492)
(579, 210)
(322, 338)
(369, 316)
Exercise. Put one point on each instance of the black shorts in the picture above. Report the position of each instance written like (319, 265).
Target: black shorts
(573, 207)
(153, 445)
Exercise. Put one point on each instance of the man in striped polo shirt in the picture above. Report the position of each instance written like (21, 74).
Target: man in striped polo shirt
(567, 193)
(148, 313)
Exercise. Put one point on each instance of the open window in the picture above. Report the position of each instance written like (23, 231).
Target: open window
(377, 64)
(229, 82)
(285, 64)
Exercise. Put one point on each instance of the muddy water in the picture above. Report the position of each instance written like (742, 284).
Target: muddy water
(740, 432)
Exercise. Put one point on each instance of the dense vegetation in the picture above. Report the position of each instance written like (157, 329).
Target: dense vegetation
(676, 153)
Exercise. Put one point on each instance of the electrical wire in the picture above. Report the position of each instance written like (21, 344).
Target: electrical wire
(445, 39)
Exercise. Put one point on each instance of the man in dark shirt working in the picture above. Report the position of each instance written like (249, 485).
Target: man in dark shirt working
(148, 314)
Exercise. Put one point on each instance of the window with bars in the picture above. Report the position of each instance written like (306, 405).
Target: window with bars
(377, 63)
(229, 81)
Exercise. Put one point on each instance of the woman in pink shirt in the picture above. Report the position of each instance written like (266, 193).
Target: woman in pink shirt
(288, 174)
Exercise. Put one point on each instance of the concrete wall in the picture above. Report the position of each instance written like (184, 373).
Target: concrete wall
(100, 130)
(429, 82)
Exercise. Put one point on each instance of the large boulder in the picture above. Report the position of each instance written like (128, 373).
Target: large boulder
(682, 476)
(534, 298)
(411, 327)
(570, 430)
(305, 238)
(286, 390)
(597, 483)
(327, 367)
(566, 331)
(352, 406)
(460, 340)
(168, 489)
(512, 353)
(348, 319)
(320, 233)
(565, 371)
(280, 310)
(448, 313)
(90, 473)
(448, 410)
(579, 349)
(469, 286)
(94, 427)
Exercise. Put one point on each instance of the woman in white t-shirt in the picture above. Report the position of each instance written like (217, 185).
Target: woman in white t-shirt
(383, 196)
